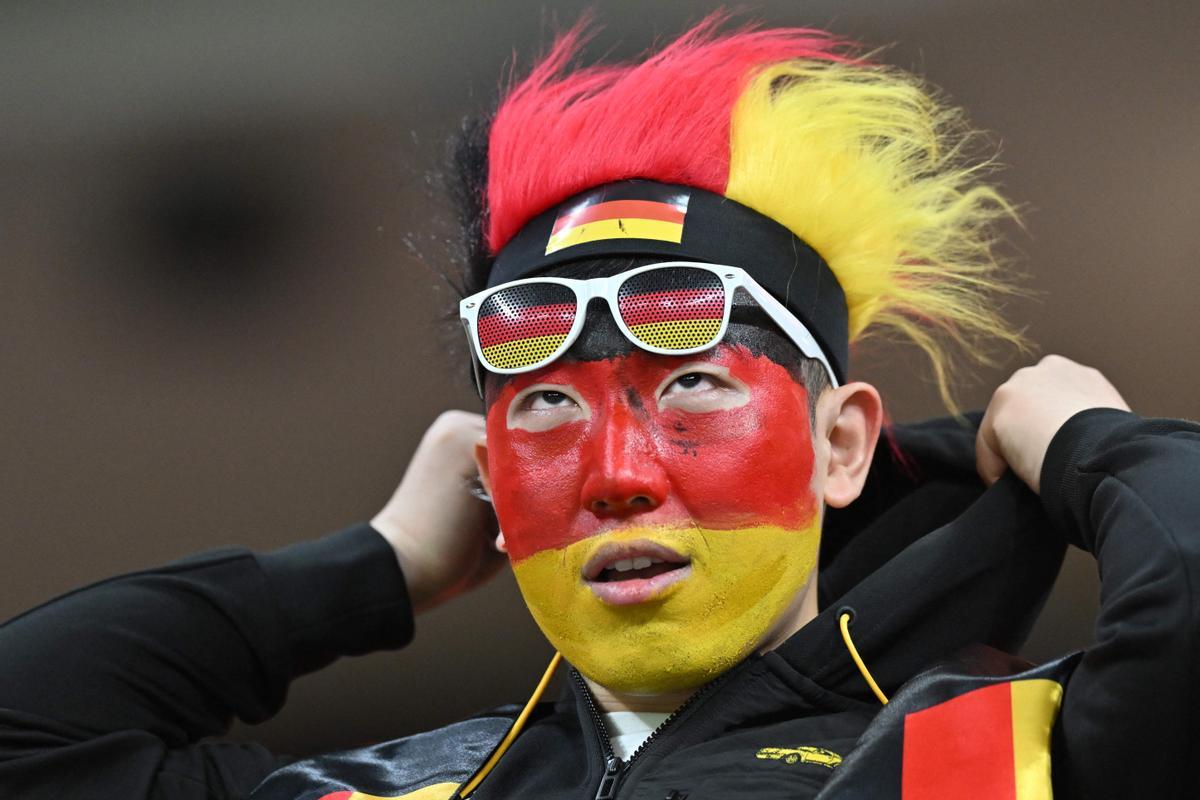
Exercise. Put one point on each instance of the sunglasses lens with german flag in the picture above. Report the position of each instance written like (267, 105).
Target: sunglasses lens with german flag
(523, 325)
(673, 308)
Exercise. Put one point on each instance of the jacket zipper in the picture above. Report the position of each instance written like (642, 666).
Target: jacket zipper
(615, 770)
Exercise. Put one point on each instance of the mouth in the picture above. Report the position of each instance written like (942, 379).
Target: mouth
(625, 573)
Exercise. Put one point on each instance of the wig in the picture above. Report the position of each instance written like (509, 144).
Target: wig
(860, 160)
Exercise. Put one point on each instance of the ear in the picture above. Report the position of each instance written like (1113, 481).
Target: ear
(849, 417)
(485, 478)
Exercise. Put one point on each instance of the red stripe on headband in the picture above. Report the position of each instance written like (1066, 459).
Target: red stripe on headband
(525, 323)
(619, 209)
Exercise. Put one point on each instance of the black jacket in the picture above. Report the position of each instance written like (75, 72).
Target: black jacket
(106, 692)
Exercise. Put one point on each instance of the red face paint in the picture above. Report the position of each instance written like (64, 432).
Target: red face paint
(722, 469)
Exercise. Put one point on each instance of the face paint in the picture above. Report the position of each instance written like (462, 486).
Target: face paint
(633, 459)
(685, 634)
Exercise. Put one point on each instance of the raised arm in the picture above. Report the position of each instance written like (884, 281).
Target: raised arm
(108, 691)
(1127, 490)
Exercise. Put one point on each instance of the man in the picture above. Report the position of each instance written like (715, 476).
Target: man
(755, 599)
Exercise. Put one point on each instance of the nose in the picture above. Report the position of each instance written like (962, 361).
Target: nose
(626, 477)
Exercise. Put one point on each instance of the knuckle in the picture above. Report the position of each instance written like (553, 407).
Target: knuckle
(454, 419)
(442, 427)
(453, 427)
(449, 418)
(1025, 372)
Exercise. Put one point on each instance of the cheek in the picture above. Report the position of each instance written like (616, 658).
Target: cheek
(749, 464)
(536, 482)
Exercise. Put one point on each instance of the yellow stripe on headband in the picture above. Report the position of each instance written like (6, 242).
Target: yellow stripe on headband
(621, 228)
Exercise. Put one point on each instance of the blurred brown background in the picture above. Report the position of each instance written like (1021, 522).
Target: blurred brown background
(212, 329)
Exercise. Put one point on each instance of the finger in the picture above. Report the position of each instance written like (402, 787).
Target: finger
(491, 563)
(989, 462)
(474, 424)
(459, 446)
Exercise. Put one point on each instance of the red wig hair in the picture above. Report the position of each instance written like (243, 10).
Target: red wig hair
(557, 133)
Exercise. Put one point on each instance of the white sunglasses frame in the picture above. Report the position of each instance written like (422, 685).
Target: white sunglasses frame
(732, 278)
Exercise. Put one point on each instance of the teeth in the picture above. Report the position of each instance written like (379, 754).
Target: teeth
(628, 564)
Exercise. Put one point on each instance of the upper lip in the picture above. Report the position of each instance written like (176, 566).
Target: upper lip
(612, 552)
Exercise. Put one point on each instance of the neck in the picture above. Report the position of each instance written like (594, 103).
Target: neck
(610, 701)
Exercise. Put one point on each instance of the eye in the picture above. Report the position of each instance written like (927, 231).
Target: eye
(700, 388)
(693, 381)
(547, 399)
(542, 407)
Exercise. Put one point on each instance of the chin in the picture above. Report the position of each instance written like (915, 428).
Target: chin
(742, 589)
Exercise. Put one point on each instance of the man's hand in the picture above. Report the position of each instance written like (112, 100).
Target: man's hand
(443, 536)
(1029, 408)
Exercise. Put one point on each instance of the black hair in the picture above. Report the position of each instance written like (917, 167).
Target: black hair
(466, 184)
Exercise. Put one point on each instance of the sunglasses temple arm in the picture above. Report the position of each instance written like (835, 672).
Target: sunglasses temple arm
(477, 372)
(792, 326)
(476, 367)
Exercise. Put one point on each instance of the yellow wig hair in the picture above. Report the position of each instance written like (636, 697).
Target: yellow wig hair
(865, 164)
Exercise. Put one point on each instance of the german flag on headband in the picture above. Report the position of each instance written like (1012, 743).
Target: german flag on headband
(634, 211)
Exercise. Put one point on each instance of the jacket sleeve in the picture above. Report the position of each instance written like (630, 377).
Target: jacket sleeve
(1128, 490)
(108, 691)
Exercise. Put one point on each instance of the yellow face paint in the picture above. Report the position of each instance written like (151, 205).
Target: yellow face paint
(741, 583)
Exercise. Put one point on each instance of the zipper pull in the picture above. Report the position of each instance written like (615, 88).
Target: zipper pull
(611, 779)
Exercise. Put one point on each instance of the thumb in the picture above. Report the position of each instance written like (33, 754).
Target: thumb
(988, 462)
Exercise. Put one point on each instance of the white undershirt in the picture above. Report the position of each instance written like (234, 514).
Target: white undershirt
(628, 729)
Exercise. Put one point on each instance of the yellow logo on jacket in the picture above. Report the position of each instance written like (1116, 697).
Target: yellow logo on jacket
(801, 755)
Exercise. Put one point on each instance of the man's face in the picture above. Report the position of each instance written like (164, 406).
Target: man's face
(660, 511)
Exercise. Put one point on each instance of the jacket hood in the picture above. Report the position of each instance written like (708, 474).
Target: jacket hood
(928, 561)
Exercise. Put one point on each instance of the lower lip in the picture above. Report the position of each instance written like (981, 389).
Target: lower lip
(638, 590)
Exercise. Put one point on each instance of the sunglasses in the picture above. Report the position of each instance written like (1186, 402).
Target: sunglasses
(674, 308)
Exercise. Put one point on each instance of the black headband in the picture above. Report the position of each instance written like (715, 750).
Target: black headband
(682, 223)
